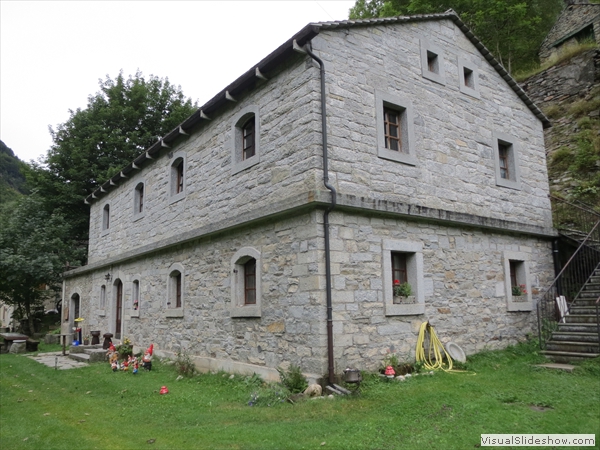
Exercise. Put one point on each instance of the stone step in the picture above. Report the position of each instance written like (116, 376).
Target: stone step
(81, 357)
(581, 318)
(585, 302)
(96, 354)
(584, 309)
(579, 337)
(572, 346)
(577, 327)
(565, 357)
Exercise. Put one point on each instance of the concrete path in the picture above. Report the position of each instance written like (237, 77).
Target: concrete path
(56, 359)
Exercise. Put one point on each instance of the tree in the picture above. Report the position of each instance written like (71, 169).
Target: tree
(34, 248)
(12, 180)
(121, 120)
(511, 29)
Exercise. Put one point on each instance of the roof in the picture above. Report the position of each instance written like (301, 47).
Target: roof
(267, 65)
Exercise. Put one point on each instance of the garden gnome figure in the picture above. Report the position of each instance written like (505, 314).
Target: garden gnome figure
(147, 358)
(164, 390)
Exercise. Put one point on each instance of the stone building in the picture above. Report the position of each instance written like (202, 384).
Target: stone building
(578, 22)
(270, 226)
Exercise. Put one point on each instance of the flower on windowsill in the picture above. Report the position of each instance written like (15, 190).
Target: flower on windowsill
(519, 290)
(402, 289)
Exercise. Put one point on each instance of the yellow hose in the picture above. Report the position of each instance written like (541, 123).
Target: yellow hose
(436, 346)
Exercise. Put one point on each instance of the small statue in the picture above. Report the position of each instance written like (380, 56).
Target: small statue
(147, 358)
(390, 372)
(114, 366)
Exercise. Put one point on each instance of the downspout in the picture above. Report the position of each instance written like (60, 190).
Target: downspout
(330, 364)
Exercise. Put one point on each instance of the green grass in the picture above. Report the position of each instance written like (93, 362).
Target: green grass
(93, 407)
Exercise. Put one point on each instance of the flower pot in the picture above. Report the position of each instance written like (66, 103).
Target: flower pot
(86, 342)
(400, 300)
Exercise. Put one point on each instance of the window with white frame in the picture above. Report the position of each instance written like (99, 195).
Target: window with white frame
(175, 291)
(246, 295)
(395, 128)
(177, 180)
(468, 77)
(402, 267)
(517, 282)
(245, 139)
(506, 160)
(432, 62)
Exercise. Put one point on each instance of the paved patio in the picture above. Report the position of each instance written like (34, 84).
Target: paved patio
(56, 359)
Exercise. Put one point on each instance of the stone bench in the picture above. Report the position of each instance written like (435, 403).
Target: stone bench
(9, 340)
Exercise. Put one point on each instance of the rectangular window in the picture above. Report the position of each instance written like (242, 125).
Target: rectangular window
(468, 77)
(141, 199)
(503, 160)
(506, 160)
(392, 129)
(432, 62)
(395, 128)
(250, 282)
(248, 139)
(513, 273)
(399, 268)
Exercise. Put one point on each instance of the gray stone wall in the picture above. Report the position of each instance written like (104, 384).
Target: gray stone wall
(453, 131)
(572, 20)
(290, 158)
(464, 294)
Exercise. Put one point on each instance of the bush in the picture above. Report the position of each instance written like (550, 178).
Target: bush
(293, 379)
(184, 365)
(269, 395)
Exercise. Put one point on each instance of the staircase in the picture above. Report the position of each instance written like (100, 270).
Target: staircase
(577, 337)
(87, 353)
(574, 334)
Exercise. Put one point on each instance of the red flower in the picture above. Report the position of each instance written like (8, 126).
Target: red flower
(396, 281)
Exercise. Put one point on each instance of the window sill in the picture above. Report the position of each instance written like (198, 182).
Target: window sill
(101, 312)
(246, 311)
(511, 184)
(173, 313)
(175, 198)
(104, 232)
(134, 313)
(139, 216)
(526, 305)
(243, 165)
(392, 155)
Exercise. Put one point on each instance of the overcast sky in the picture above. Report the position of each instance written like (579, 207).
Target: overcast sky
(53, 53)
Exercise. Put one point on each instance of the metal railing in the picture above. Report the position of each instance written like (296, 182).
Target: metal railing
(569, 283)
(573, 218)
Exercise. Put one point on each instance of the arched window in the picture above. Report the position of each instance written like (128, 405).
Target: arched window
(248, 148)
(139, 199)
(175, 291)
(246, 284)
(177, 179)
(245, 139)
(106, 217)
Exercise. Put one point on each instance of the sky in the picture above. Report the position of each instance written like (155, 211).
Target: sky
(53, 53)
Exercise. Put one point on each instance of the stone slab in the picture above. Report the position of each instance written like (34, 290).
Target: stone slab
(56, 359)
(557, 366)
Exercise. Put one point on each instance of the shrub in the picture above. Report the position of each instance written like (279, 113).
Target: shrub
(269, 395)
(184, 364)
(293, 379)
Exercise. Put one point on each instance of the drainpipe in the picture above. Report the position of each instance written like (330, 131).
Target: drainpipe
(330, 364)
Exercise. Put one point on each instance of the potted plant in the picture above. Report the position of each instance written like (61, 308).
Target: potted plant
(519, 290)
(403, 292)
(86, 340)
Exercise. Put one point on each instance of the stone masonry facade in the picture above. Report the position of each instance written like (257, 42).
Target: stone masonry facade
(466, 229)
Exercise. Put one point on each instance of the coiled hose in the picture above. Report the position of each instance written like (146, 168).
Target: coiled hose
(435, 346)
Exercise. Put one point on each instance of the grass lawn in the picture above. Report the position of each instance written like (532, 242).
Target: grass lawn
(94, 408)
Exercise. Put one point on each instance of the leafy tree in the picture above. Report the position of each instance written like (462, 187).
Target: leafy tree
(34, 249)
(12, 180)
(121, 120)
(511, 29)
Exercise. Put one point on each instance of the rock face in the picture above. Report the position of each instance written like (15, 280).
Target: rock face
(557, 90)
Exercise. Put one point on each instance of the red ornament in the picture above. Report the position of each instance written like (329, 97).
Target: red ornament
(389, 371)
(164, 390)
